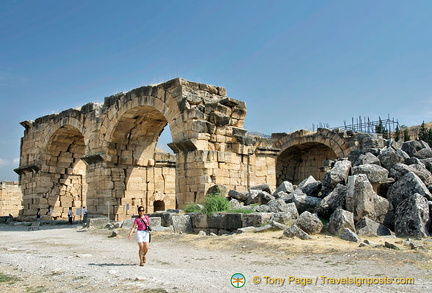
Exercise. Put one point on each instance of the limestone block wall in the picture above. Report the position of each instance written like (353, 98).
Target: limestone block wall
(10, 198)
(103, 155)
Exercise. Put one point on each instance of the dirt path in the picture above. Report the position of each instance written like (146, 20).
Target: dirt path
(70, 259)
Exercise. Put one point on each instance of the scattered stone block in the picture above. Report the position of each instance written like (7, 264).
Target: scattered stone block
(309, 223)
(339, 220)
(295, 231)
(349, 235)
(412, 217)
(368, 227)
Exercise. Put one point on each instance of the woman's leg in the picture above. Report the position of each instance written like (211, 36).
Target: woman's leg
(140, 252)
(145, 250)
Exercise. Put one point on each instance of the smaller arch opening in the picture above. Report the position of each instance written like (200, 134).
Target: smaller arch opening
(300, 161)
(159, 206)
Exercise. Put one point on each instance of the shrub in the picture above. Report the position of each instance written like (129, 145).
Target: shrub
(192, 208)
(214, 203)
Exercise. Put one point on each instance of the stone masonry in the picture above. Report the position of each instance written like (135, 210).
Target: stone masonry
(103, 155)
(10, 198)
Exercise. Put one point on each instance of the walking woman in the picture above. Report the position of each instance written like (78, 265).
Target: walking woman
(142, 224)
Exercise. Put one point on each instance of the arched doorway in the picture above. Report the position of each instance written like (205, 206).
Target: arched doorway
(159, 206)
(141, 174)
(65, 178)
(299, 161)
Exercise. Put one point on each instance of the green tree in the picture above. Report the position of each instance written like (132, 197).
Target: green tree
(429, 141)
(381, 129)
(423, 132)
(406, 136)
(397, 133)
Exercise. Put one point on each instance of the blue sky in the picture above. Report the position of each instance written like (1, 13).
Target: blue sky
(294, 63)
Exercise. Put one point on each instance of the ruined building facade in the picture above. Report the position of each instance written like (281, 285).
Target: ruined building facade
(103, 155)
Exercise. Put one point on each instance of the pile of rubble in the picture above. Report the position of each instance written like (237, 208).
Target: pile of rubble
(378, 192)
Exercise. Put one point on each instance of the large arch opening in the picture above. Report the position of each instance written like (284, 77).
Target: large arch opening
(299, 161)
(65, 177)
(141, 173)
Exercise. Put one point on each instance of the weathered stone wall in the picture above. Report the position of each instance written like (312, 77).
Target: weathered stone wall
(103, 154)
(305, 153)
(10, 198)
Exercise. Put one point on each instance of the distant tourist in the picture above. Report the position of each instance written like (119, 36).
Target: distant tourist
(84, 215)
(49, 213)
(70, 216)
(38, 215)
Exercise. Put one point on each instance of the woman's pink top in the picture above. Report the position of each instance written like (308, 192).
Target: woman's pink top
(142, 222)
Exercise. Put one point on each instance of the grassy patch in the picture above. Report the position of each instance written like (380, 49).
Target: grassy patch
(214, 203)
(38, 289)
(8, 279)
(192, 208)
(157, 290)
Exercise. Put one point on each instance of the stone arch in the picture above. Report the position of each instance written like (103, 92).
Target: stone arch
(305, 153)
(158, 205)
(64, 172)
(299, 161)
(129, 132)
(134, 138)
(123, 107)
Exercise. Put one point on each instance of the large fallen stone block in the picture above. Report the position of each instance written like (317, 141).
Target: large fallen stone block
(257, 219)
(389, 157)
(232, 221)
(285, 186)
(99, 222)
(413, 146)
(295, 231)
(362, 200)
(368, 227)
(399, 170)
(339, 220)
(367, 158)
(348, 235)
(310, 186)
(338, 174)
(304, 202)
(309, 223)
(198, 220)
(405, 187)
(374, 173)
(279, 205)
(288, 216)
(263, 187)
(412, 217)
(182, 223)
(332, 201)
(258, 197)
(240, 196)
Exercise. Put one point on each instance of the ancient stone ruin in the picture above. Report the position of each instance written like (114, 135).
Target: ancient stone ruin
(103, 156)
(10, 198)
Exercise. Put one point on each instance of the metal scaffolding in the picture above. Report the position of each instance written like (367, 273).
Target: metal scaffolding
(365, 125)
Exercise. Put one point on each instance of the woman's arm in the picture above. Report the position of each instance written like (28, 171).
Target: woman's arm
(132, 230)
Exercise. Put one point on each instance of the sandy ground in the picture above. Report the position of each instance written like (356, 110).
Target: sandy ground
(70, 259)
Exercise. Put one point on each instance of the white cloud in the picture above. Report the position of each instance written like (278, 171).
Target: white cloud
(3, 162)
(7, 163)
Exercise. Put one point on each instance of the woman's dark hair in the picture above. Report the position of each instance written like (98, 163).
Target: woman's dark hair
(141, 208)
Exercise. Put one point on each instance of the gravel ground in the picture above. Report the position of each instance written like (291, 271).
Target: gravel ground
(63, 258)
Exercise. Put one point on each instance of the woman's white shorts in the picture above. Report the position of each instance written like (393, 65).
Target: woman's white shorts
(142, 236)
